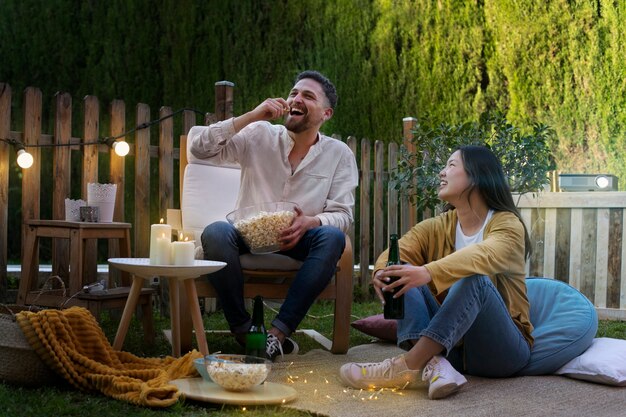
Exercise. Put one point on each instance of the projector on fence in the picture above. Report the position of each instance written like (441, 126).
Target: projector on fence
(587, 182)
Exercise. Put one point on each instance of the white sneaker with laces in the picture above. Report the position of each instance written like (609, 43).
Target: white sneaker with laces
(443, 379)
(390, 373)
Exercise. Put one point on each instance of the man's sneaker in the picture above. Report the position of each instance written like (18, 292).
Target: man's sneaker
(274, 349)
(390, 373)
(290, 347)
(443, 379)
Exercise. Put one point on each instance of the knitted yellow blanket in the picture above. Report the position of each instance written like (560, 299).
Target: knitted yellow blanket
(72, 343)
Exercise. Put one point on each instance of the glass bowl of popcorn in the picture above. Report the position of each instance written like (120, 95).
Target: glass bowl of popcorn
(237, 372)
(260, 225)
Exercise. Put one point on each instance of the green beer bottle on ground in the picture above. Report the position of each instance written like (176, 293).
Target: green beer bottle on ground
(394, 307)
(257, 335)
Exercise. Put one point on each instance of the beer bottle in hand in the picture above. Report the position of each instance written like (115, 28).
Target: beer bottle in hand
(394, 307)
(257, 335)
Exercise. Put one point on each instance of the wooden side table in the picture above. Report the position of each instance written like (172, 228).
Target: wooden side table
(78, 234)
(141, 269)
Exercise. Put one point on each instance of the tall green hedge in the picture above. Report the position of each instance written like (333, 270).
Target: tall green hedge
(560, 62)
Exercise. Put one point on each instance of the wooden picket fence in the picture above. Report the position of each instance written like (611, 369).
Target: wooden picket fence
(577, 237)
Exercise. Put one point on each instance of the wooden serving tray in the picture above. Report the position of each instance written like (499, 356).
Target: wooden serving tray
(266, 393)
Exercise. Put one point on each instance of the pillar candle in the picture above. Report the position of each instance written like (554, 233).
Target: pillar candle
(158, 231)
(183, 253)
(163, 251)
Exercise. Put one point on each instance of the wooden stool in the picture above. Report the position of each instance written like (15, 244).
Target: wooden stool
(78, 234)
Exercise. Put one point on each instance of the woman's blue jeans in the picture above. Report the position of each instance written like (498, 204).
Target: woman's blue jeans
(473, 313)
(320, 249)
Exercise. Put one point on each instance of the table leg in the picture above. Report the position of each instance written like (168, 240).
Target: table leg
(127, 315)
(30, 264)
(196, 315)
(175, 316)
(76, 264)
(186, 326)
(125, 253)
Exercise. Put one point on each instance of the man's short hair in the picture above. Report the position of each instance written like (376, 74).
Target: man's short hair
(327, 85)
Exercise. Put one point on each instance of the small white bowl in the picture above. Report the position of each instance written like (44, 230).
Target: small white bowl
(237, 372)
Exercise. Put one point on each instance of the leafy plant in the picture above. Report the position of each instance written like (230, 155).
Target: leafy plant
(525, 157)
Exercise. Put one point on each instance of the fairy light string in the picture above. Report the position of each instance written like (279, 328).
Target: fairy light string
(121, 147)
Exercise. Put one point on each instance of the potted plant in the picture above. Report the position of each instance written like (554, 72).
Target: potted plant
(526, 158)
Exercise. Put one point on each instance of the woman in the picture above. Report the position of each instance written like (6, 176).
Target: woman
(464, 283)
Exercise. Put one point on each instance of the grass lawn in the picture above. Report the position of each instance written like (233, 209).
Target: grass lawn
(66, 401)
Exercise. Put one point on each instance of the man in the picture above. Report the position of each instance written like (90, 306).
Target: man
(291, 162)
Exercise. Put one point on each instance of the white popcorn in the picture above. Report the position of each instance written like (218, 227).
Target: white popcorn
(237, 376)
(261, 232)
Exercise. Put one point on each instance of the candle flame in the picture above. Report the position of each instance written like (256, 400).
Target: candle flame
(180, 236)
(161, 220)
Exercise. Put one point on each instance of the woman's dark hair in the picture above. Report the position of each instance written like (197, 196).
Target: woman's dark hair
(487, 177)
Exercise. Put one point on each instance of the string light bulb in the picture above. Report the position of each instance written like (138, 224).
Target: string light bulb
(24, 159)
(121, 147)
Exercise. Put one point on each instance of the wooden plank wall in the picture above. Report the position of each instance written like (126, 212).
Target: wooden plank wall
(578, 239)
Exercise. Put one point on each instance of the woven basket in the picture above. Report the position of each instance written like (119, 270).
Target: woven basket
(19, 363)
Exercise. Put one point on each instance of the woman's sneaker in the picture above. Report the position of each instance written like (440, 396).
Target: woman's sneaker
(390, 373)
(442, 378)
(274, 349)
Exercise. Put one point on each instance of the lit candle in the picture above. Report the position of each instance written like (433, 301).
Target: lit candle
(187, 236)
(163, 251)
(183, 253)
(157, 231)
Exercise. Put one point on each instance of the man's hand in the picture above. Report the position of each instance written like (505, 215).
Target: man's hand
(270, 109)
(410, 276)
(290, 236)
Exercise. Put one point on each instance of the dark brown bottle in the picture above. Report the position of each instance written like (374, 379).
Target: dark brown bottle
(394, 307)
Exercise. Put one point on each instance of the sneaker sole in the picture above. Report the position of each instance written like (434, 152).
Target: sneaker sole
(444, 391)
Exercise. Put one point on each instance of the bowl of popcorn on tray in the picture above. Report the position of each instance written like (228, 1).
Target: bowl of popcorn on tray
(260, 225)
(237, 372)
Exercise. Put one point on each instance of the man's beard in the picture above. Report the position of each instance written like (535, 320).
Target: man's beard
(298, 126)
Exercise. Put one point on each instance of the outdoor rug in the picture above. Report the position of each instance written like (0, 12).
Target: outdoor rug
(315, 377)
